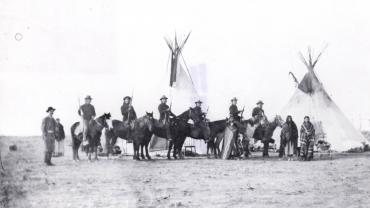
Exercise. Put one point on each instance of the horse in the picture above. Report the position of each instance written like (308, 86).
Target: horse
(185, 129)
(217, 129)
(265, 130)
(159, 130)
(118, 130)
(143, 131)
(93, 136)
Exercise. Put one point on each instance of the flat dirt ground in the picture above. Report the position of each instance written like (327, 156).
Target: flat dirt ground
(343, 181)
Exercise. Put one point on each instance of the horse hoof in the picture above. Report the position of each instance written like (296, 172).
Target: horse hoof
(168, 158)
(149, 158)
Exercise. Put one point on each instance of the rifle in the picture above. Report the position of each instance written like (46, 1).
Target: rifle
(241, 115)
(129, 109)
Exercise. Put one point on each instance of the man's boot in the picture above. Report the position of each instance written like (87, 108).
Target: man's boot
(49, 159)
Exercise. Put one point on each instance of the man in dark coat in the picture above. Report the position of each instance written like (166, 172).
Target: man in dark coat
(87, 112)
(164, 115)
(48, 128)
(164, 110)
(127, 110)
(128, 114)
(59, 138)
(234, 112)
(258, 111)
(198, 115)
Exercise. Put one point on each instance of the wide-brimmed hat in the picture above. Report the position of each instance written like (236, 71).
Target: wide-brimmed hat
(163, 98)
(199, 101)
(127, 97)
(234, 99)
(50, 109)
(88, 97)
(260, 102)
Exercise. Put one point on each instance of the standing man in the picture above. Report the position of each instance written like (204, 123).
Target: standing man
(48, 128)
(128, 114)
(87, 112)
(60, 136)
(164, 115)
(198, 114)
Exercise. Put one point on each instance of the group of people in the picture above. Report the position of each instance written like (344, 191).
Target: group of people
(52, 129)
(289, 139)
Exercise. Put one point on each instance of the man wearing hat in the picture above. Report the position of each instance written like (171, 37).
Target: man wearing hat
(128, 114)
(258, 111)
(164, 115)
(48, 128)
(87, 112)
(234, 112)
(198, 114)
(127, 110)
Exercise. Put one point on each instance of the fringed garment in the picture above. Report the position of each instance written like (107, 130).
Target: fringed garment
(307, 140)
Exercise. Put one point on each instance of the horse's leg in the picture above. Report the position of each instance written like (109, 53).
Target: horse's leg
(147, 151)
(175, 146)
(96, 153)
(142, 151)
(180, 148)
(169, 150)
(208, 147)
(74, 149)
(265, 149)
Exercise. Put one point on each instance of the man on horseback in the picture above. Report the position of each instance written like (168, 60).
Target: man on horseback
(258, 111)
(128, 114)
(87, 112)
(198, 116)
(234, 112)
(164, 115)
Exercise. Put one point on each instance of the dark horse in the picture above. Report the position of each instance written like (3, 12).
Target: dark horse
(265, 131)
(142, 135)
(180, 129)
(93, 136)
(120, 130)
(200, 131)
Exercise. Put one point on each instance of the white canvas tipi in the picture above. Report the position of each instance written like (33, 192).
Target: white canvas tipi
(181, 90)
(312, 100)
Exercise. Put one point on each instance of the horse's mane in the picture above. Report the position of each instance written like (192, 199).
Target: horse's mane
(183, 115)
(217, 122)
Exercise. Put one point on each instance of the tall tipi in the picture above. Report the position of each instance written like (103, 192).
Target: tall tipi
(311, 99)
(180, 89)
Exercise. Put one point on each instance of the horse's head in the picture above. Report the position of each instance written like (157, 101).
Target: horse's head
(148, 120)
(102, 120)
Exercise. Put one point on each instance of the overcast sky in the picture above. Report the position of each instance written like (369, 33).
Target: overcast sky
(55, 52)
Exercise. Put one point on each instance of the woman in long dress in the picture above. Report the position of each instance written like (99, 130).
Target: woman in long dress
(289, 138)
(307, 139)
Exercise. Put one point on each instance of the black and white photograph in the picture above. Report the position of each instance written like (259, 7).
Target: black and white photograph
(173, 103)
